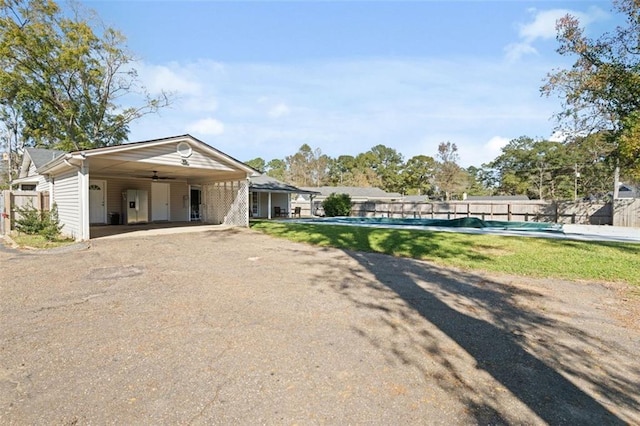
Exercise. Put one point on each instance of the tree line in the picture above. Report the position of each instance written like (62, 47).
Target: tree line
(539, 169)
(66, 82)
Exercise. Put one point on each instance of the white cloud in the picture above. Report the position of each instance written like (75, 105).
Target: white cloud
(516, 51)
(543, 27)
(279, 110)
(493, 148)
(206, 126)
(347, 107)
(169, 78)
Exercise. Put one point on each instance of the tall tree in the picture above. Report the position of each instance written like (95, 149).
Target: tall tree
(449, 177)
(63, 76)
(386, 163)
(307, 167)
(601, 91)
(341, 170)
(480, 181)
(418, 175)
(539, 169)
(257, 163)
(277, 169)
(319, 168)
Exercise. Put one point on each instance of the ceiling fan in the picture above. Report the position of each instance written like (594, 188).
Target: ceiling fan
(155, 177)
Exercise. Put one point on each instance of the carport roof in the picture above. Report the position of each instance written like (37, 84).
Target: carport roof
(117, 159)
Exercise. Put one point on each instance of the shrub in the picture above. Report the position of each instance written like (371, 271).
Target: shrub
(35, 222)
(337, 205)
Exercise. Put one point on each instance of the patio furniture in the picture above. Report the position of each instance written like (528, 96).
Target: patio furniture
(279, 212)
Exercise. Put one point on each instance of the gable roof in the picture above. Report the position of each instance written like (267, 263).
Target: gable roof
(264, 183)
(41, 156)
(38, 157)
(123, 155)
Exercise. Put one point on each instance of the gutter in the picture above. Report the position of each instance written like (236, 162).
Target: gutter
(59, 161)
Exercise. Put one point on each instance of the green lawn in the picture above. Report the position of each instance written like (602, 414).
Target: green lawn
(539, 257)
(38, 241)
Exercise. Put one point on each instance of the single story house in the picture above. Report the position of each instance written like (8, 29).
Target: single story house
(272, 198)
(357, 193)
(628, 191)
(313, 204)
(177, 178)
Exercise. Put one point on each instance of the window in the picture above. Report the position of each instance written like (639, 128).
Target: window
(28, 187)
(254, 203)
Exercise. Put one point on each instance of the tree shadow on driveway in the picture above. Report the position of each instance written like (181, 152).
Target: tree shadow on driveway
(509, 353)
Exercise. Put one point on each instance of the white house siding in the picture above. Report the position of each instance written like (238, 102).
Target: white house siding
(42, 184)
(67, 200)
(179, 208)
(167, 155)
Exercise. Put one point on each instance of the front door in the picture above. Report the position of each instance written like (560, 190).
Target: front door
(97, 201)
(159, 201)
(196, 196)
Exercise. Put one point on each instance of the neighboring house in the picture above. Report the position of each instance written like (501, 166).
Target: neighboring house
(269, 196)
(29, 177)
(176, 179)
(465, 197)
(500, 198)
(356, 193)
(416, 198)
(628, 191)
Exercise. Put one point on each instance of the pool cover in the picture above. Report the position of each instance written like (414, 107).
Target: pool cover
(465, 222)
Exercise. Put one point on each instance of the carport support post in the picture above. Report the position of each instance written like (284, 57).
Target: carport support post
(83, 186)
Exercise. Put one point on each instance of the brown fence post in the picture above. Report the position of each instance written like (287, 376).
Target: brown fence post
(6, 214)
(508, 212)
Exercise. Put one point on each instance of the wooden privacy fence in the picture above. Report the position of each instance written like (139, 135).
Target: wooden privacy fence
(581, 212)
(593, 213)
(21, 199)
(626, 212)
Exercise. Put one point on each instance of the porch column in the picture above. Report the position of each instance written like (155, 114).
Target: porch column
(288, 205)
(268, 205)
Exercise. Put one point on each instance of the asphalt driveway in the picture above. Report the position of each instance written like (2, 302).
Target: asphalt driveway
(228, 326)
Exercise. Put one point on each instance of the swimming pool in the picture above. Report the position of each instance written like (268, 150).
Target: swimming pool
(465, 222)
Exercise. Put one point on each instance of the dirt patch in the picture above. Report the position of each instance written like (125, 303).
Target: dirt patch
(231, 326)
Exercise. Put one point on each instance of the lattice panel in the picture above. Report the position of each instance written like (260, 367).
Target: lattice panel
(226, 202)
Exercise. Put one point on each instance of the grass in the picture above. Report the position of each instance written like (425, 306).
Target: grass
(536, 257)
(38, 241)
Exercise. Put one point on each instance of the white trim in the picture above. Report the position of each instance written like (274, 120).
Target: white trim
(83, 193)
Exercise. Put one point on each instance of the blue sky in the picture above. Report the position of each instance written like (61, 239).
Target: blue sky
(261, 78)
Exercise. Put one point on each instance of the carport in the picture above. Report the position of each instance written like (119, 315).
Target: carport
(171, 180)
